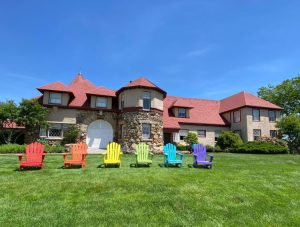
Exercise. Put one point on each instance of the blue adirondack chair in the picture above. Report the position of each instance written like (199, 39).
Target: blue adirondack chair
(170, 155)
(200, 156)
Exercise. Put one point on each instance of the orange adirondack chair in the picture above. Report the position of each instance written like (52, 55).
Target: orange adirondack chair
(34, 156)
(78, 152)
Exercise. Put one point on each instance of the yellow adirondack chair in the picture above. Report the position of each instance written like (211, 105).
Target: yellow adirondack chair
(113, 155)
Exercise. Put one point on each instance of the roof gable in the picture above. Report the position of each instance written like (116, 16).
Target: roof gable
(244, 99)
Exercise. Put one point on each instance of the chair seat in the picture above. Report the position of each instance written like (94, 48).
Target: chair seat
(203, 163)
(174, 161)
(112, 161)
(31, 163)
(144, 161)
(74, 162)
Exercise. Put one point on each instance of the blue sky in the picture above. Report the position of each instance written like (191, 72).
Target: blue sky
(190, 48)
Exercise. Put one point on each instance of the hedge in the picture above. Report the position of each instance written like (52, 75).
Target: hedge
(259, 147)
(16, 148)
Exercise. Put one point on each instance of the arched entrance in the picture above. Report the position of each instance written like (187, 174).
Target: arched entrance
(99, 134)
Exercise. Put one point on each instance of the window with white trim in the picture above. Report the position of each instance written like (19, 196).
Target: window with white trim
(201, 133)
(256, 134)
(272, 115)
(237, 116)
(182, 112)
(54, 98)
(217, 135)
(273, 133)
(146, 100)
(182, 134)
(146, 131)
(55, 130)
(101, 102)
(255, 114)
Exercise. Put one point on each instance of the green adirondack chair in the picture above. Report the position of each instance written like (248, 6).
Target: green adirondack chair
(143, 156)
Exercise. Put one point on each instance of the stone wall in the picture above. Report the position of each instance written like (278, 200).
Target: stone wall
(132, 130)
(84, 118)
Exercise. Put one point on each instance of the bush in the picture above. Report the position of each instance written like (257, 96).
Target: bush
(259, 147)
(181, 147)
(229, 139)
(210, 148)
(191, 139)
(16, 148)
(12, 148)
(70, 135)
(275, 140)
(54, 149)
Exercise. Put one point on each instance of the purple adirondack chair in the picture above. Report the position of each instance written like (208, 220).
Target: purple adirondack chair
(200, 156)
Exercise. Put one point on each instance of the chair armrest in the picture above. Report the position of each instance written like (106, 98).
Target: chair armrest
(151, 155)
(211, 158)
(65, 156)
(181, 156)
(43, 156)
(20, 156)
(121, 153)
(83, 156)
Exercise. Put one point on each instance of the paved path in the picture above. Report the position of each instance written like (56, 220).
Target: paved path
(96, 151)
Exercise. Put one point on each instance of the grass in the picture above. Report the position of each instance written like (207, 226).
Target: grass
(241, 189)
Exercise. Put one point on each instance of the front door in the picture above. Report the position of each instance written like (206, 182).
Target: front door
(99, 134)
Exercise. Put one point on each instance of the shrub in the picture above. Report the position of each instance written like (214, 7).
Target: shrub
(12, 148)
(210, 148)
(54, 149)
(181, 147)
(259, 147)
(70, 135)
(274, 140)
(229, 139)
(191, 139)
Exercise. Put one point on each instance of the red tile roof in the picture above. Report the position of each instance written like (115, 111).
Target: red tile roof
(56, 86)
(203, 112)
(141, 82)
(244, 99)
(12, 125)
(79, 88)
(102, 91)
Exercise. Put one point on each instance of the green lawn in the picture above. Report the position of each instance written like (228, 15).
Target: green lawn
(241, 189)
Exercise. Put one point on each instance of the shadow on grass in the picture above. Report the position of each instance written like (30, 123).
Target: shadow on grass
(102, 166)
(170, 165)
(135, 165)
(29, 168)
(71, 167)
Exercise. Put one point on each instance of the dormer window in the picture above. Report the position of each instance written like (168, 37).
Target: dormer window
(55, 98)
(182, 112)
(146, 100)
(101, 102)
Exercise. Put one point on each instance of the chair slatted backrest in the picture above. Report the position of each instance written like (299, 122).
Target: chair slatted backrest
(142, 151)
(78, 150)
(34, 152)
(113, 151)
(170, 150)
(200, 152)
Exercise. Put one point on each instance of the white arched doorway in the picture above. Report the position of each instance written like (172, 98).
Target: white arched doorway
(99, 134)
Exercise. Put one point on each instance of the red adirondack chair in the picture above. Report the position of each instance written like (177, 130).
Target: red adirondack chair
(34, 156)
(78, 152)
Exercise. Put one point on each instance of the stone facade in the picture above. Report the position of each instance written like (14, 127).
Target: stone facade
(85, 118)
(130, 126)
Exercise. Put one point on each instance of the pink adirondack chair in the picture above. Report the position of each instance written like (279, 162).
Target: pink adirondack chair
(34, 156)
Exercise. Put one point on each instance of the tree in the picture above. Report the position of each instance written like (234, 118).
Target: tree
(285, 94)
(9, 115)
(229, 139)
(191, 139)
(29, 113)
(289, 128)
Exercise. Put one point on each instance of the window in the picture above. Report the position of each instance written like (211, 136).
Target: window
(237, 116)
(55, 130)
(182, 134)
(272, 115)
(146, 131)
(101, 102)
(182, 112)
(202, 133)
(122, 101)
(122, 131)
(217, 135)
(273, 133)
(146, 100)
(55, 98)
(256, 134)
(255, 114)
(238, 132)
